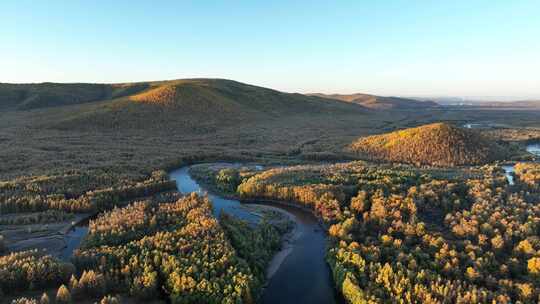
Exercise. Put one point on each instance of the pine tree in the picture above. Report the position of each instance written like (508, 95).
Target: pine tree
(44, 299)
(63, 295)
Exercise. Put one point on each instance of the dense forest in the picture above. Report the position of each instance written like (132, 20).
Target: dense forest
(177, 250)
(79, 192)
(256, 245)
(164, 247)
(406, 235)
(438, 144)
(396, 234)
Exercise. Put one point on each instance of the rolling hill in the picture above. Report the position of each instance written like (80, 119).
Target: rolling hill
(194, 103)
(43, 95)
(381, 102)
(224, 95)
(437, 144)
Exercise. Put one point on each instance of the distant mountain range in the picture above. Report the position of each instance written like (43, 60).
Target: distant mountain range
(381, 102)
(194, 96)
(471, 102)
(508, 104)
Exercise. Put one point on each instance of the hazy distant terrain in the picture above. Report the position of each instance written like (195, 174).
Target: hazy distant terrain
(381, 102)
(486, 103)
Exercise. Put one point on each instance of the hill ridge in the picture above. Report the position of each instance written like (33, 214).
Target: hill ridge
(181, 103)
(380, 102)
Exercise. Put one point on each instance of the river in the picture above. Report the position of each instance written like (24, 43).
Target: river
(303, 276)
(299, 273)
(509, 169)
(534, 149)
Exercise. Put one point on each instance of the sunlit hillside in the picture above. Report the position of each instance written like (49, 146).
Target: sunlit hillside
(438, 144)
(44, 95)
(186, 103)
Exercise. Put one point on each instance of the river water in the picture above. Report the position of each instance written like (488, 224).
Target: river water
(303, 276)
(534, 149)
(509, 169)
(73, 239)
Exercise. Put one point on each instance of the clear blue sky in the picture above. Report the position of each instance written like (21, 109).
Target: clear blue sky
(466, 48)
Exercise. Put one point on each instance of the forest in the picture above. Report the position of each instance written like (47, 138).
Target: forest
(403, 235)
(79, 192)
(397, 233)
(164, 247)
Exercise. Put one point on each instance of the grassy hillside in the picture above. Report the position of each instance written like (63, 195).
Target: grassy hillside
(43, 95)
(438, 144)
(202, 104)
(220, 94)
(381, 102)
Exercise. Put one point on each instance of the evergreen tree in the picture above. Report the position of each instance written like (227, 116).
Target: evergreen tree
(62, 295)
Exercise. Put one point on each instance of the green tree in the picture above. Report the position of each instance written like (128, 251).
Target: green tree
(228, 179)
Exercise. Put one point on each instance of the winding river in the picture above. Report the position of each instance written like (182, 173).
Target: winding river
(299, 273)
(303, 275)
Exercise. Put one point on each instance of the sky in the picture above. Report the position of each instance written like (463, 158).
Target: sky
(402, 48)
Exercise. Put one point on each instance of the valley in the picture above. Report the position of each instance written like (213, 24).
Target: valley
(297, 198)
(269, 152)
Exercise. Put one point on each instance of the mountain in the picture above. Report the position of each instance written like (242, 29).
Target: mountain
(176, 103)
(380, 102)
(437, 144)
